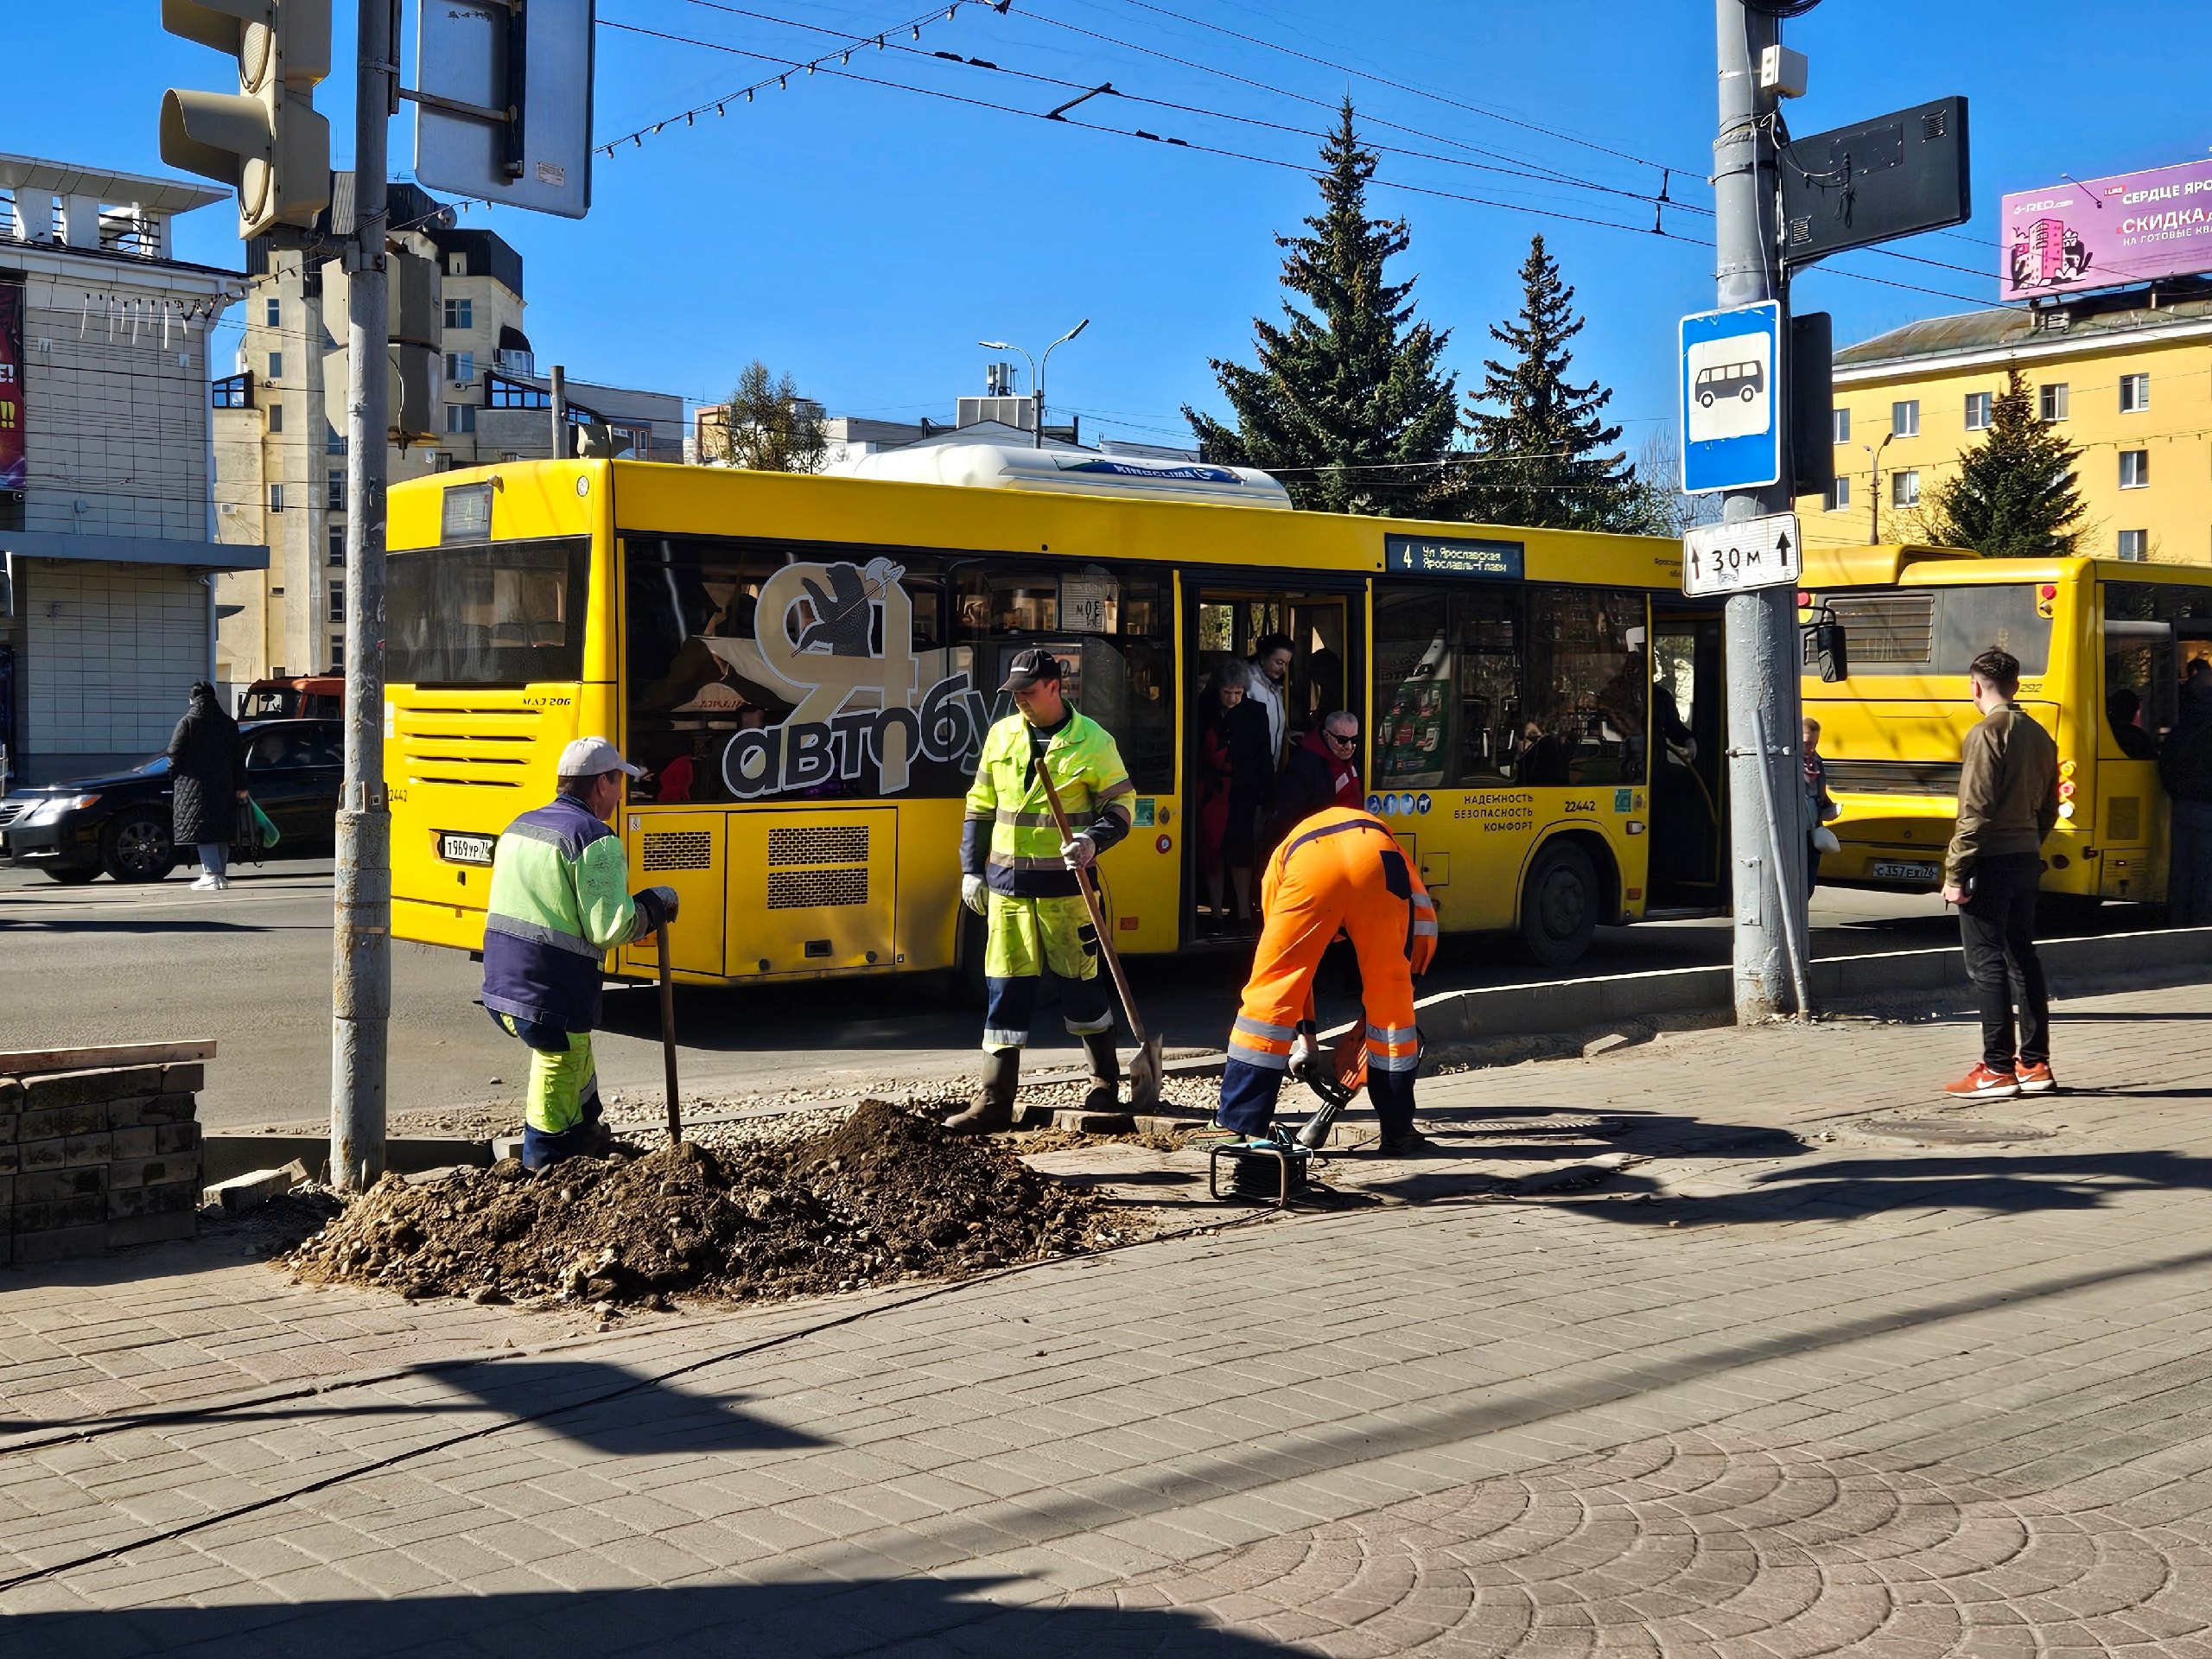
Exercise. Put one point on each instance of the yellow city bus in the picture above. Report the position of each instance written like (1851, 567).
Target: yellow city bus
(2103, 645)
(807, 664)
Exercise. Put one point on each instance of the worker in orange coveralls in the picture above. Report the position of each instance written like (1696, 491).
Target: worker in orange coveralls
(1340, 870)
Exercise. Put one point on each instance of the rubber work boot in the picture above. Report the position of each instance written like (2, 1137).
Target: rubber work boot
(1105, 1094)
(990, 1107)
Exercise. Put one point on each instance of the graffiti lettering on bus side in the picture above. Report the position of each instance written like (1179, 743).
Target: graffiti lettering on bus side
(808, 753)
(815, 626)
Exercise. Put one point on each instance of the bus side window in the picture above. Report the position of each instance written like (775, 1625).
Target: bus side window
(1589, 682)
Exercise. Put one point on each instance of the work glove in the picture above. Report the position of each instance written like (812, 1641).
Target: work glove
(1305, 1049)
(1079, 852)
(973, 892)
(656, 909)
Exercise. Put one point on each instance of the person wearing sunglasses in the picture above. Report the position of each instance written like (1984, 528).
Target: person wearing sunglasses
(1323, 771)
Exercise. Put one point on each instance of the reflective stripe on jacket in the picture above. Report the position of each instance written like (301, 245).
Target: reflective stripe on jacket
(560, 902)
(1009, 837)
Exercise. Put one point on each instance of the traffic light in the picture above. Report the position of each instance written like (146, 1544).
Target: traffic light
(266, 139)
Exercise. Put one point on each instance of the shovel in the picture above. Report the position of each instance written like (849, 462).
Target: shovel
(1144, 1069)
(668, 1036)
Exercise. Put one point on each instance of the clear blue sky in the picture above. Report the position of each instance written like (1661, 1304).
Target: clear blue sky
(864, 238)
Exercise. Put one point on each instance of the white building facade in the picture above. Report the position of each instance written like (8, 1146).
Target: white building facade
(107, 509)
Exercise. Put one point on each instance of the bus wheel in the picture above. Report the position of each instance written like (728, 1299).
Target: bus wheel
(1558, 906)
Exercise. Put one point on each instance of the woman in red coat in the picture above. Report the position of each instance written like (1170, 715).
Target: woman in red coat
(1235, 784)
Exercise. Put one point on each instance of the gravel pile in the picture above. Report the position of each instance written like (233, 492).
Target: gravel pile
(760, 1210)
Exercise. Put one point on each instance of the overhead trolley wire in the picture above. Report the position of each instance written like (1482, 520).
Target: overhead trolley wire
(607, 147)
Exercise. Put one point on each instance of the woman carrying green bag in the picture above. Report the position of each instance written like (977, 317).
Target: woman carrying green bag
(255, 833)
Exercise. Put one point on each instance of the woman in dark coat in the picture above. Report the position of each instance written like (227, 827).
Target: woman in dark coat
(1236, 784)
(207, 778)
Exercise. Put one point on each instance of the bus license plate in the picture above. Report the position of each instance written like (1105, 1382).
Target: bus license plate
(467, 849)
(1888, 872)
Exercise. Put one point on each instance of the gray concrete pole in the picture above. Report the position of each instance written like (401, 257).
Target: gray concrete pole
(360, 978)
(1761, 628)
(558, 381)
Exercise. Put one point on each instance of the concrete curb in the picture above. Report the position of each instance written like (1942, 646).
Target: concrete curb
(1583, 1004)
(224, 1156)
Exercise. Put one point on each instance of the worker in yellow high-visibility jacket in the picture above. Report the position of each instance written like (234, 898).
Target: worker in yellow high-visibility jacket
(1017, 872)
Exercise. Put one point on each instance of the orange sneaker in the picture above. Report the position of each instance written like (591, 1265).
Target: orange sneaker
(1984, 1084)
(2035, 1077)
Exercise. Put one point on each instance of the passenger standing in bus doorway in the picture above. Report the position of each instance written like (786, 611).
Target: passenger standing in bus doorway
(2008, 803)
(1270, 688)
(2185, 768)
(559, 903)
(1016, 871)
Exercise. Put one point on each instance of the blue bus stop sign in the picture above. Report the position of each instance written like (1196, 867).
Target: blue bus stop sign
(1731, 398)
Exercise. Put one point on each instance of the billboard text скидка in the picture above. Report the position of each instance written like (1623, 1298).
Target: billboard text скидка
(2106, 232)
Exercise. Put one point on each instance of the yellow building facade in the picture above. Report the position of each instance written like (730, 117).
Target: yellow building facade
(2130, 386)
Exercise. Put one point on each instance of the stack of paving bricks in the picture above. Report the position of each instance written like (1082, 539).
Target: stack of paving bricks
(98, 1148)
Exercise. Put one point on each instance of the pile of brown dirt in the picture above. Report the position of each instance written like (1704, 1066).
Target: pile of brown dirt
(884, 1195)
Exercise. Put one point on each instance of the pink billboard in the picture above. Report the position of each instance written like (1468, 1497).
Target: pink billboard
(2106, 232)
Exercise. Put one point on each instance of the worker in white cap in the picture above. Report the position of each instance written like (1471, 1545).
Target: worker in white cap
(560, 902)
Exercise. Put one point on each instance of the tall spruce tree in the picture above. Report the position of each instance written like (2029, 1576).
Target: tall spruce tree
(1348, 403)
(1539, 452)
(2014, 496)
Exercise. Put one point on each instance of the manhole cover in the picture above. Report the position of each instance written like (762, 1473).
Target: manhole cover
(1954, 1132)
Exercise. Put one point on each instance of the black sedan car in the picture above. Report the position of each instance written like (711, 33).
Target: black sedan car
(119, 823)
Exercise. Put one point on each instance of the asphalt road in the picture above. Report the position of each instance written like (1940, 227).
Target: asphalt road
(250, 966)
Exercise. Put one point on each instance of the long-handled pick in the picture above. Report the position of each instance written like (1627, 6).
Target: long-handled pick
(668, 1038)
(1144, 1069)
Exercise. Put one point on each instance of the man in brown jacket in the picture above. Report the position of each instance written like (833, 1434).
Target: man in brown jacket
(2008, 801)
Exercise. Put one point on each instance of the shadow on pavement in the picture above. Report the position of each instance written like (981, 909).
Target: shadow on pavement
(911, 1617)
(1849, 1188)
(604, 1407)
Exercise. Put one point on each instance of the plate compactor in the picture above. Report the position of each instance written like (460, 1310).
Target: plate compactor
(1278, 1162)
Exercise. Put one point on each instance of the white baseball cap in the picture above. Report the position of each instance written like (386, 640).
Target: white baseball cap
(587, 757)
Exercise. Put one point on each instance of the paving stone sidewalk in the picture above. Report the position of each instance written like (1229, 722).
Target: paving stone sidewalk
(1827, 1366)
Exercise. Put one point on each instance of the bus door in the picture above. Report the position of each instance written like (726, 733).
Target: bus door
(1690, 822)
(1327, 627)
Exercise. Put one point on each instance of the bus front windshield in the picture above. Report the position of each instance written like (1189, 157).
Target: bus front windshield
(489, 614)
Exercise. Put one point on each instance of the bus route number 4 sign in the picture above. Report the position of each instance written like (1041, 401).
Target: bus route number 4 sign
(1739, 558)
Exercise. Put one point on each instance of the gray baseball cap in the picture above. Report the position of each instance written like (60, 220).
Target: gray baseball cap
(587, 757)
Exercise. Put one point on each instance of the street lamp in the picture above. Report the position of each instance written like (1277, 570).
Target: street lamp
(1036, 375)
(1874, 488)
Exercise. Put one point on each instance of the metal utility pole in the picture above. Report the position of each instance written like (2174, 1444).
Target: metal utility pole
(1761, 626)
(360, 979)
(1874, 489)
(559, 389)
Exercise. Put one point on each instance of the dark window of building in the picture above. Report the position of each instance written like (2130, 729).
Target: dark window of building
(502, 393)
(232, 392)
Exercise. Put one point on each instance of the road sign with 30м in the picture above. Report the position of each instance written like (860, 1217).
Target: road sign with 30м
(1730, 398)
(1735, 558)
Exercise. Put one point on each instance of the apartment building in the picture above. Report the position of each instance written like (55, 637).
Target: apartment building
(2126, 377)
(280, 418)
